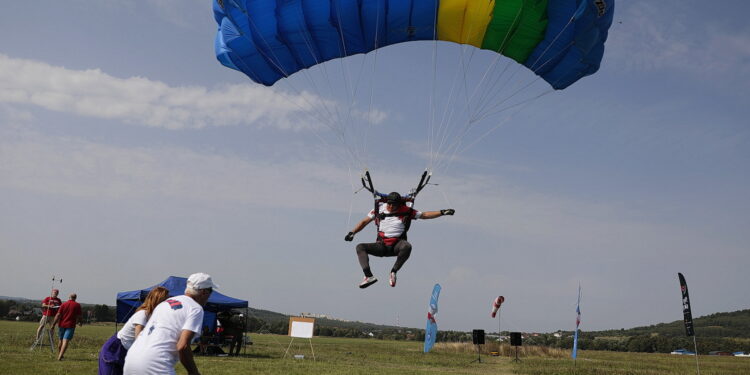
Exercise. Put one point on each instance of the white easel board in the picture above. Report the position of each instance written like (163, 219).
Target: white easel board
(301, 327)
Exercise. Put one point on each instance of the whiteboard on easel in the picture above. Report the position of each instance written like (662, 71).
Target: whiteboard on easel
(301, 327)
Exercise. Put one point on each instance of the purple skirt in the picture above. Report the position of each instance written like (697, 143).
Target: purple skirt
(112, 357)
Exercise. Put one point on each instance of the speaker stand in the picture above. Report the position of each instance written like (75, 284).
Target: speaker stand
(479, 355)
(516, 359)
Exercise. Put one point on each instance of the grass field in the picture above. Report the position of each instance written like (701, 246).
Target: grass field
(359, 356)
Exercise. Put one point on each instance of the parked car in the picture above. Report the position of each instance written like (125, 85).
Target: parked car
(682, 352)
(741, 354)
(718, 352)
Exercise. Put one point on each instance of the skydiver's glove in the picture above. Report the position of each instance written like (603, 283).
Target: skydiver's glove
(349, 236)
(449, 211)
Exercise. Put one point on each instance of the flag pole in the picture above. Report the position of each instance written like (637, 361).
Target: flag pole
(697, 368)
(688, 317)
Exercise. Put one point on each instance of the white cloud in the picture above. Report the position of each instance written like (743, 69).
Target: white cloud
(83, 169)
(73, 167)
(652, 38)
(142, 101)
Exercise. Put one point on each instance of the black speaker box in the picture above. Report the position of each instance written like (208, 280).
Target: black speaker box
(515, 338)
(477, 336)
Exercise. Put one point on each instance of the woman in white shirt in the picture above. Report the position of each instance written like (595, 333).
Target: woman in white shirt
(112, 354)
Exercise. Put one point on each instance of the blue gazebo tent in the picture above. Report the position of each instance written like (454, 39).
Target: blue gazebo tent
(128, 302)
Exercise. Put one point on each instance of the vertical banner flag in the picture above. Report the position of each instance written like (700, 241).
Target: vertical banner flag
(578, 322)
(430, 333)
(686, 313)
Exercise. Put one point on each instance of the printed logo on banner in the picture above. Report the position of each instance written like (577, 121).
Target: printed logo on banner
(601, 7)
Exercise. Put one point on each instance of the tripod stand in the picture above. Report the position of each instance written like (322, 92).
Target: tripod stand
(45, 332)
(43, 336)
(479, 354)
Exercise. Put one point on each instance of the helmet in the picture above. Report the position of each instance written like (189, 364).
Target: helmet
(394, 197)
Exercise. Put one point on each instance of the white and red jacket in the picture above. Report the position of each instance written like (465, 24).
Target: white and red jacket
(392, 226)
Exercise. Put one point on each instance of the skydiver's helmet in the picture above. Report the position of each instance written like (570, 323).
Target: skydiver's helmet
(394, 198)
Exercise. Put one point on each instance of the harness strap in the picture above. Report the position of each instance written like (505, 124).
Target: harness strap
(380, 216)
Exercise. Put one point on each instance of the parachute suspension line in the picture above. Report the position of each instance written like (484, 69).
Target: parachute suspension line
(463, 64)
(532, 67)
(274, 61)
(333, 114)
(351, 200)
(458, 149)
(492, 110)
(317, 115)
(342, 131)
(481, 84)
(340, 128)
(442, 129)
(369, 116)
(495, 61)
(433, 92)
(469, 97)
(493, 89)
(522, 105)
(485, 112)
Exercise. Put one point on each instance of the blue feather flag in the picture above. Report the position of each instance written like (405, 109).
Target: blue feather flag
(578, 323)
(430, 333)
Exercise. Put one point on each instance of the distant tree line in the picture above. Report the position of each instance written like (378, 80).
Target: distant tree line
(352, 330)
(653, 343)
(31, 311)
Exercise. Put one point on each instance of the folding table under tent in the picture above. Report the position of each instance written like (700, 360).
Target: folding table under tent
(128, 302)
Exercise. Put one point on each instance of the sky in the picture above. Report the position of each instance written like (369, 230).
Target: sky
(129, 154)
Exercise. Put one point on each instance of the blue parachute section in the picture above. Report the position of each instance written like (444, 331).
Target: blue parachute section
(573, 45)
(430, 334)
(272, 39)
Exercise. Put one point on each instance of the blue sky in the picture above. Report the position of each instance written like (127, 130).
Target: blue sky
(128, 154)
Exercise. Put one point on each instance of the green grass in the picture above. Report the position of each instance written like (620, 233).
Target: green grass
(357, 356)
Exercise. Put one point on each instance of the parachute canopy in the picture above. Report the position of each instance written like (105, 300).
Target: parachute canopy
(559, 40)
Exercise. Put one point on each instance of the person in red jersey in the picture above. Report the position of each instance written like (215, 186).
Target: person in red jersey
(50, 304)
(68, 315)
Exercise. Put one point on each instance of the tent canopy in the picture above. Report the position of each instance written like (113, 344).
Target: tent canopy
(128, 302)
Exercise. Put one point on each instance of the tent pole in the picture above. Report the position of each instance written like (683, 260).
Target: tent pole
(244, 330)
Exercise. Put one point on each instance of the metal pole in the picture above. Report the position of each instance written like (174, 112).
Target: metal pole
(498, 322)
(695, 345)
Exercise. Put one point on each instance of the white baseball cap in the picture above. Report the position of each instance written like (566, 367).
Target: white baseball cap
(201, 280)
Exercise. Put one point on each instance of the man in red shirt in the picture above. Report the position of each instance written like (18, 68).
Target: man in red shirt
(50, 305)
(67, 317)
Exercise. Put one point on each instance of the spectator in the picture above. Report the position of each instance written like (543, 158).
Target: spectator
(112, 355)
(68, 315)
(234, 329)
(170, 330)
(50, 305)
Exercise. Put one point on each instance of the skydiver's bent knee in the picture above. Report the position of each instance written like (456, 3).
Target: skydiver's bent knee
(361, 248)
(403, 248)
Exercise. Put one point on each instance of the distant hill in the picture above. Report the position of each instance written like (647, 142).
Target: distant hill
(19, 299)
(719, 325)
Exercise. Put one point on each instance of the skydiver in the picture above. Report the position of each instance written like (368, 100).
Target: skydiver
(392, 220)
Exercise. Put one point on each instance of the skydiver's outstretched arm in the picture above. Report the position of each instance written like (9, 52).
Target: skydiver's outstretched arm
(434, 214)
(361, 225)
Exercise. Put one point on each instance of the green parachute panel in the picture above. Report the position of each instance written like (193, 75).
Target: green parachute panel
(516, 28)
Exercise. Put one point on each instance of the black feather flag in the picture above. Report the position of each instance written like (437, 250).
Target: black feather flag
(686, 313)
